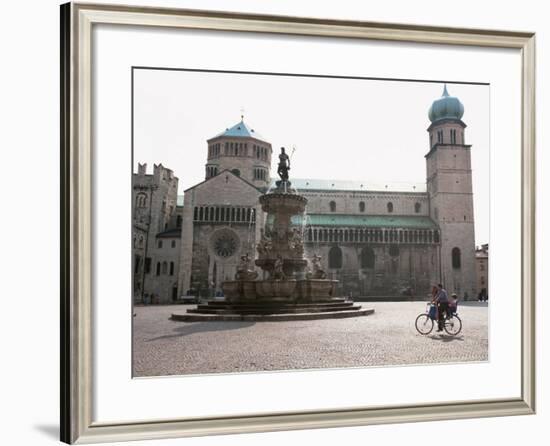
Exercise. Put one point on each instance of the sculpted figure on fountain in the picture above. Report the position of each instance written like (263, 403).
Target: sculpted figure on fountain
(296, 243)
(318, 272)
(278, 273)
(245, 270)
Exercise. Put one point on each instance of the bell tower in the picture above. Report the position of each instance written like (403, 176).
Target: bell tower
(241, 150)
(449, 185)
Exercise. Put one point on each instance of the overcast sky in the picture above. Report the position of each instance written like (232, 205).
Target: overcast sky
(368, 130)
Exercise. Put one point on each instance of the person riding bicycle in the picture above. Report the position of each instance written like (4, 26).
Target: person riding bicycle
(442, 301)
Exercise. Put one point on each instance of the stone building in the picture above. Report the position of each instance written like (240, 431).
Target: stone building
(377, 241)
(222, 217)
(482, 271)
(157, 224)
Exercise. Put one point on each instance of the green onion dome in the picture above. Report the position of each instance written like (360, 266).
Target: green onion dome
(446, 107)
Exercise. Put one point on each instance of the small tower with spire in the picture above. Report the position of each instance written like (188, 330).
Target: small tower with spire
(241, 150)
(449, 184)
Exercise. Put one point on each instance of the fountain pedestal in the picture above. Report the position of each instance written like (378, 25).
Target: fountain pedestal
(290, 291)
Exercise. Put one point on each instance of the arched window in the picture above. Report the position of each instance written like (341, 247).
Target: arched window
(164, 267)
(159, 244)
(335, 257)
(332, 206)
(367, 258)
(171, 268)
(158, 268)
(456, 260)
(260, 174)
(173, 244)
(141, 200)
(390, 207)
(178, 221)
(417, 208)
(236, 172)
(211, 171)
(361, 206)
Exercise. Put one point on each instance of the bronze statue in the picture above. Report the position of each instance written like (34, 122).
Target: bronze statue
(284, 165)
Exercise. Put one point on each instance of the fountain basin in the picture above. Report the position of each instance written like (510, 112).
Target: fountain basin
(275, 288)
(286, 203)
(290, 266)
(249, 289)
(232, 289)
(315, 290)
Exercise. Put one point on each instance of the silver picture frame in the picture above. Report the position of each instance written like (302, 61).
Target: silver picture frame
(77, 22)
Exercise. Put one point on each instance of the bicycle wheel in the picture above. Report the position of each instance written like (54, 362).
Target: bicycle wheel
(424, 325)
(453, 325)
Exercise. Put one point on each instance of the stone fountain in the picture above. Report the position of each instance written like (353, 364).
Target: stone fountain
(289, 290)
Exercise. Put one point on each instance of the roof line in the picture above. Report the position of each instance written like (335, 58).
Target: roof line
(366, 215)
(364, 190)
(225, 170)
(352, 189)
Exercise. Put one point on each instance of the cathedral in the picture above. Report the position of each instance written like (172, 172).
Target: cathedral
(377, 243)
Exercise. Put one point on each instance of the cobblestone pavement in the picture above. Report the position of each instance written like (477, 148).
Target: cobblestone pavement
(388, 337)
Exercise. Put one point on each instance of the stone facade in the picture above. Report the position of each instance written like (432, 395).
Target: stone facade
(221, 220)
(449, 184)
(482, 271)
(376, 240)
(155, 213)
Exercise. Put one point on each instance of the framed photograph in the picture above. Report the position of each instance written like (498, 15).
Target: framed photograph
(273, 223)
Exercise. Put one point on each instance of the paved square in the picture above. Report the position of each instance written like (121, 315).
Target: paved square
(388, 337)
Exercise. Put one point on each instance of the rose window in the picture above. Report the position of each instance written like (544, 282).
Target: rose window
(225, 243)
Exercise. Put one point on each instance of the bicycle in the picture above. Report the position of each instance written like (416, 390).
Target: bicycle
(424, 322)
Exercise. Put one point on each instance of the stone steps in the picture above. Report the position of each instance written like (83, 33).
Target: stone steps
(269, 305)
(196, 317)
(267, 310)
(267, 301)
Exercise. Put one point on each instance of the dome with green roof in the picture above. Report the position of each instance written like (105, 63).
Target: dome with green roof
(446, 107)
(240, 130)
